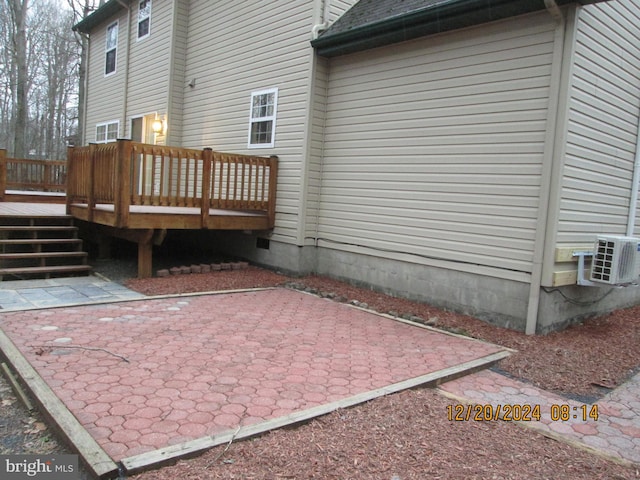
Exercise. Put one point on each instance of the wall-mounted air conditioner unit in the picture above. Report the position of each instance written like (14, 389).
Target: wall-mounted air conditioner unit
(616, 260)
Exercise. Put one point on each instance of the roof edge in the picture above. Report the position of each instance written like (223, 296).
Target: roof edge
(104, 12)
(439, 18)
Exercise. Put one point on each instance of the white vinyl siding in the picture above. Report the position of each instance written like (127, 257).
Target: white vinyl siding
(177, 81)
(602, 123)
(433, 148)
(102, 106)
(234, 49)
(142, 74)
(150, 64)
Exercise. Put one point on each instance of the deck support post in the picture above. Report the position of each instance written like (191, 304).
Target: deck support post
(123, 176)
(3, 173)
(207, 159)
(273, 181)
(70, 166)
(145, 257)
(91, 198)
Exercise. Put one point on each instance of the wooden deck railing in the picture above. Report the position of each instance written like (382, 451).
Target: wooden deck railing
(31, 175)
(126, 173)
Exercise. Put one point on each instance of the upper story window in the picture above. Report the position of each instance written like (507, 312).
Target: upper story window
(262, 120)
(107, 131)
(111, 48)
(144, 18)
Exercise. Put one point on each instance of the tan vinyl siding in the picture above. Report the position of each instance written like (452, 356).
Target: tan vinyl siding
(178, 82)
(104, 100)
(602, 123)
(149, 62)
(433, 148)
(234, 49)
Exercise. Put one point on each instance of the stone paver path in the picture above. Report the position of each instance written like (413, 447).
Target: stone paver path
(146, 374)
(21, 295)
(615, 432)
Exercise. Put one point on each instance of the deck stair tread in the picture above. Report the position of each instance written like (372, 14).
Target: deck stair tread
(38, 246)
(37, 255)
(45, 270)
(31, 228)
(43, 241)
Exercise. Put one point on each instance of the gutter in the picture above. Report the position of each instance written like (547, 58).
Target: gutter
(437, 18)
(103, 13)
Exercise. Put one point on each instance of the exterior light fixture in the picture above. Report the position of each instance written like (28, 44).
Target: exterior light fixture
(157, 126)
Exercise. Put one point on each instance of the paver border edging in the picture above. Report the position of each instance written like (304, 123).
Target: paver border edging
(167, 455)
(55, 411)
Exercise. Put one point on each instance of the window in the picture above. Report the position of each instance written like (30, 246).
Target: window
(111, 48)
(262, 119)
(144, 18)
(107, 132)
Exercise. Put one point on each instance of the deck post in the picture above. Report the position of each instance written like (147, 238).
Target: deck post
(68, 179)
(3, 173)
(91, 198)
(273, 182)
(207, 159)
(122, 199)
(145, 258)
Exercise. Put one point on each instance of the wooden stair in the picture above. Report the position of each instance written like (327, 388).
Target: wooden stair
(40, 247)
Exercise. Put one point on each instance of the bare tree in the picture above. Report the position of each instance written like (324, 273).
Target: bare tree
(81, 8)
(19, 76)
(39, 58)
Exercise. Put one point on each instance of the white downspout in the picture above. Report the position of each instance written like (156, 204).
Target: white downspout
(533, 304)
(126, 72)
(319, 27)
(633, 203)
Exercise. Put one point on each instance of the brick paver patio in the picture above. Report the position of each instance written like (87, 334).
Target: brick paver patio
(146, 374)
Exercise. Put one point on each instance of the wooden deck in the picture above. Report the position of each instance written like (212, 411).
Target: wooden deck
(177, 218)
(137, 192)
(133, 185)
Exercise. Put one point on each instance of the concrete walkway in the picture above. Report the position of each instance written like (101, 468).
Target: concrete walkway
(55, 292)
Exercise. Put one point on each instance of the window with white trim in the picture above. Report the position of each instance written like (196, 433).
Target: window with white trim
(107, 131)
(262, 118)
(144, 18)
(111, 49)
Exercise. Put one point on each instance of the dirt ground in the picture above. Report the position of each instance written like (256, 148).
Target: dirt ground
(406, 435)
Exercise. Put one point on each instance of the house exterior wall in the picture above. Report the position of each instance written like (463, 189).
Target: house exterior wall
(603, 123)
(601, 135)
(178, 83)
(140, 84)
(235, 48)
(433, 149)
(150, 61)
(103, 105)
